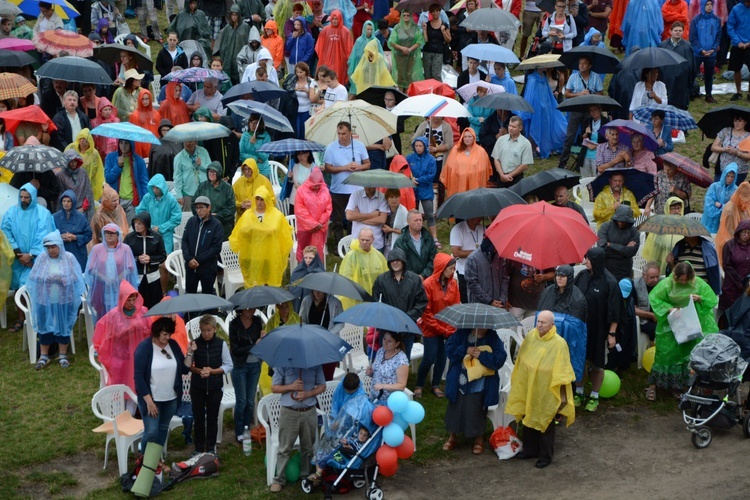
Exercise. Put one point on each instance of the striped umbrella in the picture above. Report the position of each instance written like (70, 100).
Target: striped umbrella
(477, 315)
(678, 119)
(290, 146)
(673, 224)
(14, 86)
(431, 105)
(62, 8)
(691, 169)
(56, 41)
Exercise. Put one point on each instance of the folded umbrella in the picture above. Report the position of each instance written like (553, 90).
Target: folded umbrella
(581, 104)
(127, 131)
(376, 178)
(15, 59)
(196, 131)
(651, 57)
(290, 146)
(33, 114)
(675, 118)
(719, 118)
(490, 20)
(194, 75)
(480, 202)
(431, 105)
(602, 60)
(14, 86)
(629, 127)
(190, 302)
(260, 91)
(380, 316)
(543, 184)
(376, 95)
(300, 346)
(271, 116)
(55, 42)
(470, 89)
(673, 224)
(504, 100)
(477, 316)
(640, 183)
(260, 296)
(691, 169)
(74, 69)
(490, 52)
(110, 54)
(334, 283)
(33, 159)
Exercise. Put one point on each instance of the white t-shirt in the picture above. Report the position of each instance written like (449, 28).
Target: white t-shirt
(337, 94)
(303, 98)
(359, 200)
(163, 373)
(466, 239)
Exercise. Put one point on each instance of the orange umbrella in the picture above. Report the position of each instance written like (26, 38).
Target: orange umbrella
(55, 42)
(33, 114)
(14, 86)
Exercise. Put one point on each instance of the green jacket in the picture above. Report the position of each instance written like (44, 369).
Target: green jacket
(420, 263)
(222, 201)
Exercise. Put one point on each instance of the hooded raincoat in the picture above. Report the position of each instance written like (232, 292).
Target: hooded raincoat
(406, 294)
(55, 288)
(102, 217)
(263, 246)
(221, 196)
(187, 173)
(300, 48)
(248, 55)
(265, 58)
(92, 161)
(249, 149)
(173, 108)
(74, 222)
(244, 188)
(547, 126)
(423, 167)
(334, 46)
(231, 40)
(138, 172)
(736, 267)
(299, 272)
(615, 242)
(642, 25)
(192, 26)
(718, 192)
(371, 70)
(406, 68)
(400, 165)
(77, 180)
(118, 333)
(361, 267)
(148, 118)
(493, 359)
(658, 246)
(274, 43)
(161, 158)
(164, 210)
(313, 208)
(464, 170)
(438, 298)
(104, 145)
(736, 210)
(151, 244)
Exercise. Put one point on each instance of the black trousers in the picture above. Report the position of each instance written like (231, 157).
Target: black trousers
(338, 221)
(206, 281)
(539, 444)
(206, 417)
(574, 122)
(462, 289)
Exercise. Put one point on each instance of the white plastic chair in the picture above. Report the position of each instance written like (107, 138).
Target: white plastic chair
(4, 310)
(141, 46)
(228, 402)
(344, 244)
(103, 375)
(230, 262)
(23, 302)
(156, 85)
(695, 215)
(356, 359)
(275, 167)
(193, 327)
(283, 205)
(88, 320)
(417, 353)
(497, 413)
(292, 220)
(176, 421)
(325, 401)
(180, 229)
(508, 336)
(366, 384)
(269, 410)
(527, 324)
(175, 265)
(119, 425)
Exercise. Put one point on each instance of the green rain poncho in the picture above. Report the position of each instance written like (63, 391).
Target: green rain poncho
(358, 51)
(192, 27)
(658, 246)
(231, 40)
(406, 68)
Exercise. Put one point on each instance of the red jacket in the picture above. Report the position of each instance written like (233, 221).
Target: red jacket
(438, 299)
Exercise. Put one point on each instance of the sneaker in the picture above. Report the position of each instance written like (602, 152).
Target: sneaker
(736, 97)
(593, 404)
(578, 399)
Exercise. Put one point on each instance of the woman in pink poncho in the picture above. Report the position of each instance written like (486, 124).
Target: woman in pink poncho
(119, 332)
(105, 113)
(313, 207)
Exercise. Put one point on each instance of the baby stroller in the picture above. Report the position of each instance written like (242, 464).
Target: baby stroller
(713, 400)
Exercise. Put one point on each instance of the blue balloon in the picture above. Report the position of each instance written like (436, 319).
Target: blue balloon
(399, 420)
(393, 435)
(414, 412)
(398, 401)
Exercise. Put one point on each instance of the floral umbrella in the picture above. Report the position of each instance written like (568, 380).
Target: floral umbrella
(56, 41)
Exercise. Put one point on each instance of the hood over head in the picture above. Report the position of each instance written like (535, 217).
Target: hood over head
(441, 261)
(29, 188)
(596, 256)
(227, 122)
(271, 25)
(565, 270)
(165, 122)
(396, 254)
(103, 103)
(590, 34)
(744, 224)
(672, 200)
(624, 213)
(203, 111)
(264, 193)
(144, 217)
(54, 239)
(216, 167)
(197, 54)
(265, 54)
(254, 35)
(126, 290)
(158, 181)
(68, 193)
(423, 140)
(252, 165)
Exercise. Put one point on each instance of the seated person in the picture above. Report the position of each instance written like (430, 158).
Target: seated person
(613, 196)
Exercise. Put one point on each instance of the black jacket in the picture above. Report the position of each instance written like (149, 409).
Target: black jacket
(241, 340)
(407, 294)
(63, 136)
(614, 241)
(490, 128)
(154, 245)
(202, 241)
(463, 78)
(164, 62)
(161, 159)
(51, 103)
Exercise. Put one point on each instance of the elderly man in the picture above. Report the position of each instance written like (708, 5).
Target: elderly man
(562, 199)
(512, 154)
(611, 154)
(53, 99)
(418, 246)
(209, 97)
(343, 157)
(367, 208)
(190, 167)
(201, 246)
(362, 263)
(69, 121)
(613, 196)
(620, 242)
(642, 287)
(465, 237)
(540, 389)
(487, 277)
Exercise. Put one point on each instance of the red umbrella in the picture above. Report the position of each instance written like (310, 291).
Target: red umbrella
(691, 169)
(541, 235)
(55, 42)
(33, 114)
(430, 86)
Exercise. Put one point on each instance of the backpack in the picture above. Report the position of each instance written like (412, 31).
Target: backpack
(201, 466)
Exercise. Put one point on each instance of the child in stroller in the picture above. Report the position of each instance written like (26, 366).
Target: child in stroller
(340, 457)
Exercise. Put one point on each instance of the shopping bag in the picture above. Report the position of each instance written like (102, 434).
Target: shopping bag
(505, 442)
(685, 324)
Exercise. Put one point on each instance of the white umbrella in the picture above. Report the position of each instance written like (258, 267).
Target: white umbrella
(470, 89)
(369, 123)
(8, 198)
(431, 105)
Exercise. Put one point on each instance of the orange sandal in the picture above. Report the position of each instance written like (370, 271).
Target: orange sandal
(449, 445)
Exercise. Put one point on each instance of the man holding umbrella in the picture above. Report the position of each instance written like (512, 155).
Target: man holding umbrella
(581, 82)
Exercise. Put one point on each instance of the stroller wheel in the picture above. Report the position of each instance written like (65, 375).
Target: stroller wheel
(702, 437)
(375, 494)
(307, 486)
(359, 483)
(746, 425)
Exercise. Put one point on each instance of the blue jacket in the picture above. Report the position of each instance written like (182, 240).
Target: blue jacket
(423, 168)
(75, 223)
(112, 172)
(165, 212)
(455, 350)
(718, 191)
(144, 355)
(738, 24)
(300, 49)
(705, 32)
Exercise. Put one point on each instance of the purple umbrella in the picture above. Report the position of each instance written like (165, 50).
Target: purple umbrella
(195, 75)
(629, 127)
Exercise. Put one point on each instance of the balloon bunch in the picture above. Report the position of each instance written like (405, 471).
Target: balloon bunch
(394, 418)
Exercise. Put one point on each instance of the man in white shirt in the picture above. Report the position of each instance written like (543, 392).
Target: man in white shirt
(512, 154)
(334, 90)
(209, 97)
(465, 237)
(367, 209)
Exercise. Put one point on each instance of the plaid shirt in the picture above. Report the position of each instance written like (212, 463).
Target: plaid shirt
(604, 154)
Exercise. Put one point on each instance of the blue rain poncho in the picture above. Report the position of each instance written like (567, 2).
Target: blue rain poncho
(642, 25)
(718, 192)
(573, 330)
(546, 125)
(55, 287)
(164, 210)
(73, 222)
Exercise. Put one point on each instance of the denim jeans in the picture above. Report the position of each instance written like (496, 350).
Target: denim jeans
(434, 353)
(245, 378)
(156, 429)
(708, 70)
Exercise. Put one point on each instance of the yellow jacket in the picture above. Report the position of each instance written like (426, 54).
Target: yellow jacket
(244, 188)
(92, 162)
(362, 267)
(604, 205)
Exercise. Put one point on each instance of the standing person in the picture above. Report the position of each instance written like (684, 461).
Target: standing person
(673, 12)
(362, 263)
(581, 82)
(540, 389)
(209, 361)
(221, 195)
(531, 18)
(738, 29)
(546, 126)
(564, 297)
(75, 230)
(192, 24)
(679, 79)
(244, 188)
(512, 154)
(48, 19)
(718, 194)
(620, 242)
(306, 91)
(467, 166)
(245, 330)
(726, 144)
(173, 108)
(442, 291)
(85, 146)
(390, 368)
(599, 12)
(736, 265)
(406, 42)
(147, 8)
(465, 237)
(319, 308)
(313, 209)
(108, 212)
(560, 27)
(106, 113)
(271, 40)
(208, 97)
(190, 169)
(368, 209)
(148, 249)
(55, 286)
(125, 98)
(358, 50)
(169, 56)
(71, 177)
(299, 171)
(424, 172)
(642, 24)
(69, 122)
(201, 246)
(736, 210)
(126, 172)
(252, 140)
(417, 244)
(705, 37)
(232, 38)
(525, 285)
(333, 46)
(487, 277)
(649, 91)
(147, 117)
(437, 37)
(642, 287)
(300, 46)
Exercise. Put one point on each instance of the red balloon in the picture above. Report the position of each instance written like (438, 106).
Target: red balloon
(382, 416)
(387, 457)
(388, 471)
(406, 448)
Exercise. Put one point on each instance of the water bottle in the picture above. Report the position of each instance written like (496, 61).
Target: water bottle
(247, 442)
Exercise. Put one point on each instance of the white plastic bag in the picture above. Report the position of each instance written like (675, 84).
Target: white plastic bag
(685, 324)
(505, 442)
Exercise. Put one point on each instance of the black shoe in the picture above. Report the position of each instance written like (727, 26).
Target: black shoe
(523, 456)
(736, 97)
(542, 463)
(711, 100)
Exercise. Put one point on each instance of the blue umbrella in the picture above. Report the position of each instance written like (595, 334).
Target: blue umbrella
(300, 346)
(677, 119)
(290, 146)
(271, 117)
(490, 52)
(261, 91)
(379, 315)
(31, 7)
(629, 127)
(640, 183)
(127, 131)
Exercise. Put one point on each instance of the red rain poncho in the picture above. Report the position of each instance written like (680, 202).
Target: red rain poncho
(399, 165)
(174, 108)
(312, 208)
(672, 12)
(334, 46)
(148, 118)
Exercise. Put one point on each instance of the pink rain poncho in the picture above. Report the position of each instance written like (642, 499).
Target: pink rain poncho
(55, 287)
(118, 333)
(312, 206)
(106, 268)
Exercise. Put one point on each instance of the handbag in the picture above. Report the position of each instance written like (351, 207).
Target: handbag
(286, 189)
(685, 324)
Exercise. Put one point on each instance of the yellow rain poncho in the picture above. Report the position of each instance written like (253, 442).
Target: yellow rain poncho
(244, 188)
(92, 161)
(371, 69)
(362, 267)
(542, 368)
(263, 246)
(6, 267)
(658, 246)
(5, 174)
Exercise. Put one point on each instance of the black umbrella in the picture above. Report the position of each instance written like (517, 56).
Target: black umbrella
(640, 183)
(261, 91)
(300, 346)
(602, 60)
(718, 118)
(376, 95)
(15, 59)
(33, 159)
(476, 315)
(334, 283)
(190, 302)
(74, 69)
(546, 5)
(260, 296)
(110, 54)
(504, 100)
(480, 202)
(651, 57)
(582, 103)
(543, 184)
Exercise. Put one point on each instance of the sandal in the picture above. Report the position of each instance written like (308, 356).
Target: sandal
(650, 394)
(477, 449)
(418, 393)
(449, 445)
(17, 327)
(438, 393)
(64, 363)
(42, 363)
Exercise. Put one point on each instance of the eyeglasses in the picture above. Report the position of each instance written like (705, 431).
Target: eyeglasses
(164, 352)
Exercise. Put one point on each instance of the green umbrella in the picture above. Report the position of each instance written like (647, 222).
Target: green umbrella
(673, 224)
(379, 179)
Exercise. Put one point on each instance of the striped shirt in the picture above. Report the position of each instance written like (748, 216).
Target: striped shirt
(694, 255)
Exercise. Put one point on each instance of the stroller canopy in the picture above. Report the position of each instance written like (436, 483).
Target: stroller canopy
(718, 357)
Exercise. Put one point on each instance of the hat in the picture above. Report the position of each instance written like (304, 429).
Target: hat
(132, 73)
(626, 286)
(95, 37)
(20, 19)
(202, 200)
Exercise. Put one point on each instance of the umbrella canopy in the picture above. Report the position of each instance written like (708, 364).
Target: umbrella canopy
(523, 233)
(196, 131)
(16, 44)
(691, 169)
(673, 224)
(33, 114)
(629, 127)
(430, 86)
(582, 103)
(651, 57)
(376, 178)
(480, 202)
(481, 4)
(260, 296)
(14, 86)
(544, 61)
(470, 89)
(261, 91)
(677, 119)
(127, 131)
(8, 9)
(543, 184)
(300, 346)
(8, 197)
(15, 59)
(74, 69)
(62, 8)
(334, 283)
(491, 20)
(190, 302)
(56, 41)
(431, 105)
(194, 75)
(718, 118)
(417, 6)
(290, 146)
(270, 116)
(602, 60)
(477, 316)
(504, 100)
(376, 95)
(110, 54)
(369, 123)
(380, 316)
(640, 183)
(490, 52)
(33, 159)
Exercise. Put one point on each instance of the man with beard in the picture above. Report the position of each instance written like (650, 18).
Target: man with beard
(611, 197)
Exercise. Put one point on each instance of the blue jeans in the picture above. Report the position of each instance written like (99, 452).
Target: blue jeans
(245, 378)
(434, 353)
(302, 117)
(708, 70)
(156, 429)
